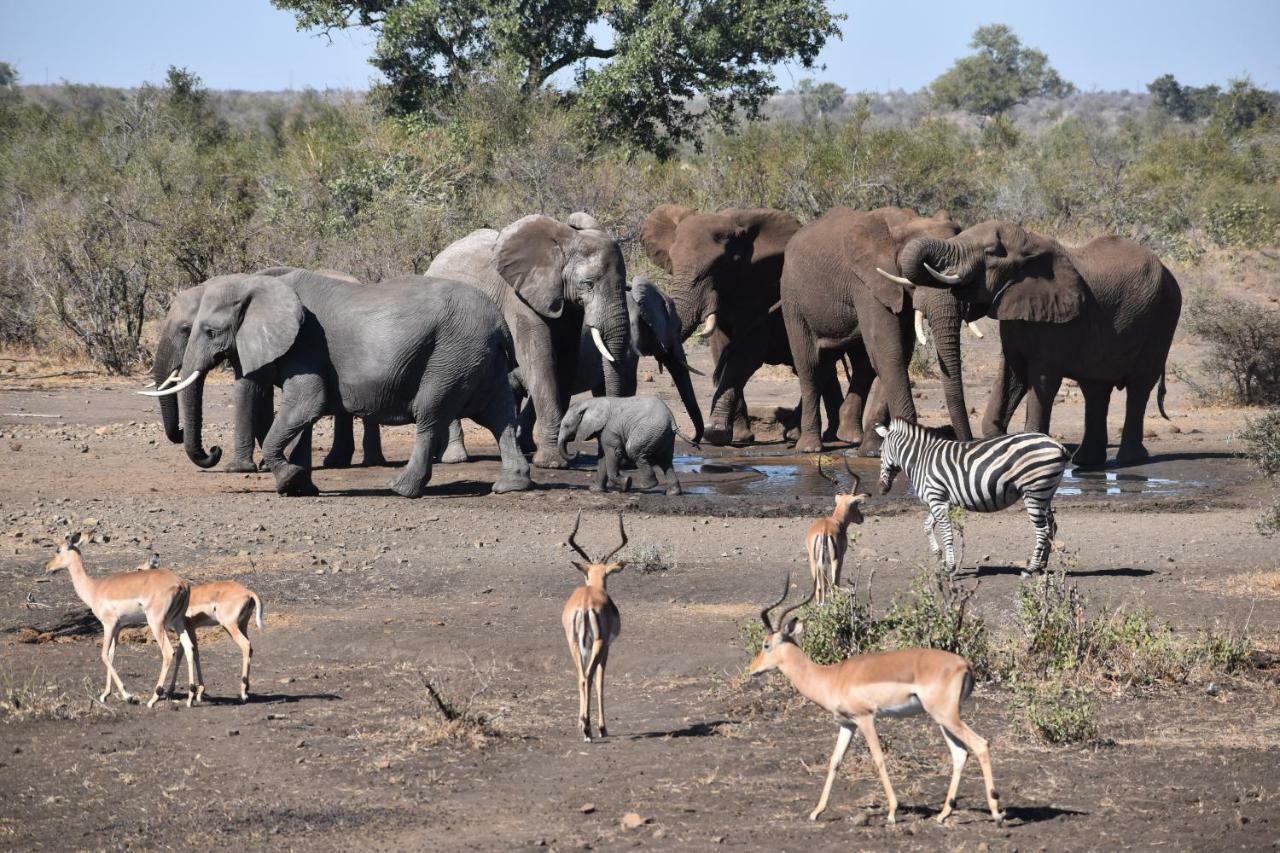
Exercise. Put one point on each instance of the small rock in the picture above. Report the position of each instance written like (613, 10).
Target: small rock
(286, 680)
(647, 377)
(83, 448)
(89, 523)
(587, 808)
(103, 430)
(631, 820)
(382, 764)
(1175, 429)
(233, 732)
(860, 819)
(15, 446)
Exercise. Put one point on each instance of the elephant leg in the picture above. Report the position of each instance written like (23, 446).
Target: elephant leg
(877, 412)
(536, 354)
(644, 471)
(417, 473)
(526, 424)
(252, 398)
(371, 444)
(456, 451)
(1044, 388)
(344, 442)
(851, 411)
(811, 372)
(1092, 452)
(600, 481)
(612, 464)
(832, 399)
(499, 418)
(302, 404)
(887, 338)
(742, 433)
(1132, 450)
(1006, 394)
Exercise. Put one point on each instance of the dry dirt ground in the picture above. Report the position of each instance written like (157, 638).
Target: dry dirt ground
(369, 597)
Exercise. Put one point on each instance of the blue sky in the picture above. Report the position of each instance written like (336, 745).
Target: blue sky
(249, 44)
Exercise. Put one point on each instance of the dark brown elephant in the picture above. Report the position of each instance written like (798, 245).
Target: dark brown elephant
(842, 294)
(1102, 314)
(725, 269)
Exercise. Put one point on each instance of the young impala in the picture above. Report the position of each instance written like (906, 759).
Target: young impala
(888, 684)
(591, 623)
(230, 605)
(828, 537)
(156, 596)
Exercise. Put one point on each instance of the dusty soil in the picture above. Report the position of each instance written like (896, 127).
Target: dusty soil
(368, 595)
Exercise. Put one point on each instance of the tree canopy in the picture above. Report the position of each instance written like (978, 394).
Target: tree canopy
(999, 76)
(637, 64)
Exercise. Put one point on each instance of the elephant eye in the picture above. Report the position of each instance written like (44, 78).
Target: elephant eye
(185, 328)
(588, 284)
(210, 332)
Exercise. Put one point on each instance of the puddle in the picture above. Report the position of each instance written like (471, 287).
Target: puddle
(784, 476)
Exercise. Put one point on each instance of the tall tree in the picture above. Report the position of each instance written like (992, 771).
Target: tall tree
(637, 63)
(999, 76)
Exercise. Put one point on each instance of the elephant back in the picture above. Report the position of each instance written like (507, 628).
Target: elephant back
(470, 260)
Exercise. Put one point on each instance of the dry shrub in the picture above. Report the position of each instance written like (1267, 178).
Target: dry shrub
(37, 698)
(443, 720)
(1244, 348)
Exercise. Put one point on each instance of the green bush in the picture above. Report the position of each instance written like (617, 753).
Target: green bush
(934, 614)
(1262, 437)
(838, 629)
(1059, 713)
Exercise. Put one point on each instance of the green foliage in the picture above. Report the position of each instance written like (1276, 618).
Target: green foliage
(1262, 438)
(934, 614)
(1058, 712)
(662, 54)
(1244, 346)
(1185, 103)
(1242, 106)
(838, 629)
(1001, 75)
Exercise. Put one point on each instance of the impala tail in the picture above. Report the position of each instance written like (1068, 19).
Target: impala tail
(258, 612)
(586, 638)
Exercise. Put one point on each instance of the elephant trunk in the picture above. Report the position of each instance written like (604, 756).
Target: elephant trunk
(942, 312)
(568, 429)
(945, 256)
(689, 296)
(168, 359)
(684, 385)
(193, 416)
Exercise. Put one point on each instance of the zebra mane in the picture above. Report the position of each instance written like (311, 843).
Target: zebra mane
(914, 429)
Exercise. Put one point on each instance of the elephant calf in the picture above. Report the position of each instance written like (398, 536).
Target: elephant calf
(641, 429)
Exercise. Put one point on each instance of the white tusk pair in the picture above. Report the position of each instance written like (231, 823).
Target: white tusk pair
(172, 378)
(604, 351)
(710, 325)
(895, 278)
(920, 335)
(975, 328)
(942, 277)
(165, 392)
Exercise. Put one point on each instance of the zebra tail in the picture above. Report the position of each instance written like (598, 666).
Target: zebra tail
(1160, 397)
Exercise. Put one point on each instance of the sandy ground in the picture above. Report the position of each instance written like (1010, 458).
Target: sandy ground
(368, 595)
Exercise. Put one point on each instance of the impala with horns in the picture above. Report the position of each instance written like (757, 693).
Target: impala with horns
(887, 684)
(828, 537)
(152, 596)
(591, 623)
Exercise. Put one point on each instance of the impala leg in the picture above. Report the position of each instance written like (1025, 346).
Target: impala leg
(837, 755)
(246, 657)
(867, 725)
(958, 757)
(177, 665)
(166, 657)
(955, 727)
(583, 722)
(195, 678)
(109, 634)
(599, 679)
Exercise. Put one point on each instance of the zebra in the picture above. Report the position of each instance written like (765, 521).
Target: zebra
(982, 476)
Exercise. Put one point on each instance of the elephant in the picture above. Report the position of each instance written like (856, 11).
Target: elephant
(548, 279)
(842, 295)
(253, 401)
(725, 269)
(640, 429)
(414, 349)
(1102, 314)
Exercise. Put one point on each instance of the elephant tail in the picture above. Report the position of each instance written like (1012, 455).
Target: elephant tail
(1160, 397)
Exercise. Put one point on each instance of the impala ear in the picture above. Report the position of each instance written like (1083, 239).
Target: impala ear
(882, 430)
(793, 629)
(579, 566)
(658, 232)
(73, 539)
(613, 568)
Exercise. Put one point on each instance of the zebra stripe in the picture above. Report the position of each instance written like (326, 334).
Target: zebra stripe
(987, 475)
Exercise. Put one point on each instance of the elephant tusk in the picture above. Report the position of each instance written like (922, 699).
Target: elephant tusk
(942, 277)
(710, 325)
(595, 336)
(919, 323)
(195, 374)
(894, 278)
(150, 384)
(169, 380)
(975, 328)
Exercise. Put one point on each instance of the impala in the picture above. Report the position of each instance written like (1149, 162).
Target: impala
(229, 605)
(155, 596)
(888, 684)
(591, 623)
(828, 537)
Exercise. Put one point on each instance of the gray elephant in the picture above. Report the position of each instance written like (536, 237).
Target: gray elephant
(549, 280)
(414, 349)
(842, 295)
(639, 429)
(253, 400)
(725, 269)
(1102, 314)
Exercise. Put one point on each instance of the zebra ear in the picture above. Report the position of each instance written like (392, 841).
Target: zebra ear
(882, 430)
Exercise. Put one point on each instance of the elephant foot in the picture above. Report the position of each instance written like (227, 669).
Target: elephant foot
(870, 446)
(334, 460)
(1132, 455)
(808, 444)
(674, 489)
(454, 455)
(549, 457)
(408, 485)
(1089, 457)
(718, 436)
(512, 483)
(851, 436)
(624, 484)
(831, 435)
(295, 481)
(646, 482)
(743, 435)
(241, 466)
(595, 487)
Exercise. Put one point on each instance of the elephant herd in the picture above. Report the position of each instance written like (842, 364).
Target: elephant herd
(543, 309)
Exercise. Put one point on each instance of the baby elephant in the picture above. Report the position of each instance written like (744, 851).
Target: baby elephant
(639, 429)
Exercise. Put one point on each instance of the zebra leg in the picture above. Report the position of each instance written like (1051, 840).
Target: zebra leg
(933, 540)
(942, 519)
(1041, 513)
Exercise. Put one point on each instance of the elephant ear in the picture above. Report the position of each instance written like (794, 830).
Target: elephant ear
(659, 231)
(651, 304)
(530, 256)
(271, 315)
(593, 422)
(869, 246)
(769, 230)
(1046, 289)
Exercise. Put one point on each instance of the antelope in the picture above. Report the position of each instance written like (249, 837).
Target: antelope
(828, 537)
(229, 605)
(591, 623)
(156, 596)
(887, 684)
